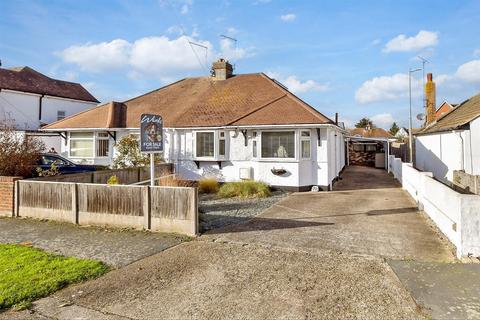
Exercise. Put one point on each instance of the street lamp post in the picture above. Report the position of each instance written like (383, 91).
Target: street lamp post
(410, 136)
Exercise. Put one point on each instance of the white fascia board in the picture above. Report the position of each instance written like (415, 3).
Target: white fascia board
(22, 92)
(72, 100)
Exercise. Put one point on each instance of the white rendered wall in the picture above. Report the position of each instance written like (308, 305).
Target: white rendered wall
(20, 107)
(51, 105)
(456, 215)
(442, 153)
(473, 155)
(24, 108)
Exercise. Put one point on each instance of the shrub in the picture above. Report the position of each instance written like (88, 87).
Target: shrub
(128, 154)
(18, 153)
(113, 180)
(244, 189)
(53, 171)
(208, 185)
(171, 181)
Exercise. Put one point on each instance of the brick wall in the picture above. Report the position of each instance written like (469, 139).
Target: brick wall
(7, 186)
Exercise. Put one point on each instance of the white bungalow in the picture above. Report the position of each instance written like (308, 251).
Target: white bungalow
(227, 126)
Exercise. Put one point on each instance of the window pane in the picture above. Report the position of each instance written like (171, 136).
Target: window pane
(305, 133)
(81, 148)
(278, 144)
(102, 148)
(60, 115)
(254, 148)
(358, 147)
(102, 134)
(76, 135)
(305, 149)
(221, 147)
(371, 147)
(205, 144)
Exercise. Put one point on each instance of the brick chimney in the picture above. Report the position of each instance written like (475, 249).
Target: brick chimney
(221, 70)
(430, 102)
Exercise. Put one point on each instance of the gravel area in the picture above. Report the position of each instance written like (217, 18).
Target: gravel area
(217, 213)
(115, 247)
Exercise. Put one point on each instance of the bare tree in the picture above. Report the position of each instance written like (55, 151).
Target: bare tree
(18, 152)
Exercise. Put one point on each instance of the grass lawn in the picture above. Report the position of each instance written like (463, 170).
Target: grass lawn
(27, 274)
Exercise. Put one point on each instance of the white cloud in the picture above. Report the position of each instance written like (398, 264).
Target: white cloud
(297, 86)
(376, 41)
(158, 57)
(422, 40)
(386, 88)
(232, 31)
(98, 57)
(476, 52)
(288, 17)
(383, 120)
(469, 71)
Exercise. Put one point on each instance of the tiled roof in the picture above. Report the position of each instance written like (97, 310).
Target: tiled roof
(458, 117)
(248, 99)
(26, 79)
(372, 133)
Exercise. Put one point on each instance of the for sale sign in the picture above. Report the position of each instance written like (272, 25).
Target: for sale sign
(151, 133)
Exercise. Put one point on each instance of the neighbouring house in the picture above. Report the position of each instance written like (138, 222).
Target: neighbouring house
(31, 100)
(451, 143)
(231, 127)
(367, 147)
(402, 133)
(443, 109)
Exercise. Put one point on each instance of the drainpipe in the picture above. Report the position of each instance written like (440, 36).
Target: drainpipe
(462, 163)
(40, 107)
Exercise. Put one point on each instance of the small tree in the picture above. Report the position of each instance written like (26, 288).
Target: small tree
(394, 129)
(18, 152)
(364, 122)
(128, 154)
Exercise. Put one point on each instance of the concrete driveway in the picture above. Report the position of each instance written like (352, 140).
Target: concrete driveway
(369, 214)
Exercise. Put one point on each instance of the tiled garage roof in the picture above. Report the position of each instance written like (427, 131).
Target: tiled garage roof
(26, 79)
(248, 99)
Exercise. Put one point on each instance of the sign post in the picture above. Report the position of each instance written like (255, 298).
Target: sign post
(151, 139)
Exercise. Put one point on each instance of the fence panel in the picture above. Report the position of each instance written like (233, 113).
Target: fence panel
(174, 209)
(46, 200)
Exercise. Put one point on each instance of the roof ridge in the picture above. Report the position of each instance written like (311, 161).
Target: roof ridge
(256, 109)
(158, 89)
(305, 105)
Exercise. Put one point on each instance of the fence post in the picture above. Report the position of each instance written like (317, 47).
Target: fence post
(16, 199)
(74, 203)
(146, 208)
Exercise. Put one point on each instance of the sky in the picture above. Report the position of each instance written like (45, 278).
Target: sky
(350, 57)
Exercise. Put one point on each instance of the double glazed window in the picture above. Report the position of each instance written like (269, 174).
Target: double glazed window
(205, 144)
(89, 144)
(279, 144)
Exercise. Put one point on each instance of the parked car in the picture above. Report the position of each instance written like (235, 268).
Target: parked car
(63, 165)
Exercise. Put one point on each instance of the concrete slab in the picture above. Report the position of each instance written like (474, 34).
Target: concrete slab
(206, 280)
(448, 291)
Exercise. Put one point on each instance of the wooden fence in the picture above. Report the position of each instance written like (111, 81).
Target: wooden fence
(163, 209)
(124, 176)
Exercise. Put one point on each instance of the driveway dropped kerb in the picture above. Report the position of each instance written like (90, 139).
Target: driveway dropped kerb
(311, 255)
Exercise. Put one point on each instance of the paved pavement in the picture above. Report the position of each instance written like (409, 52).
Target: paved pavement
(447, 290)
(312, 255)
(112, 246)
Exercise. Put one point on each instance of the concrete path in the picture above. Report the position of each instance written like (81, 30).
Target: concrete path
(112, 246)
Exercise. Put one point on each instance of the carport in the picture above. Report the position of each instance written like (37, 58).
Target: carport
(371, 152)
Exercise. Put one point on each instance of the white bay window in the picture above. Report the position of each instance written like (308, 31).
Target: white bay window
(279, 144)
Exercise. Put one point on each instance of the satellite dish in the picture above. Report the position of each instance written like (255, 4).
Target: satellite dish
(421, 116)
